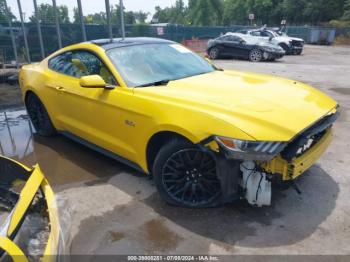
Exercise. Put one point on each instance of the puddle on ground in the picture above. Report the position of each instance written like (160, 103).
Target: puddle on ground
(160, 236)
(63, 161)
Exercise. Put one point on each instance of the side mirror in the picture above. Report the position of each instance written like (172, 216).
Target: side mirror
(270, 38)
(93, 81)
(242, 42)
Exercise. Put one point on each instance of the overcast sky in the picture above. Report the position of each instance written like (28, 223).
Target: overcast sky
(91, 6)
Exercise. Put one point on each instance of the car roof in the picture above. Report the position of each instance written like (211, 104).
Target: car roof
(244, 36)
(129, 41)
(248, 38)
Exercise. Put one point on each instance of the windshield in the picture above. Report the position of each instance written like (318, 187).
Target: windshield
(142, 65)
(274, 33)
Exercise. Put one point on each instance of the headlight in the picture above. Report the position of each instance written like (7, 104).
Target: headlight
(250, 150)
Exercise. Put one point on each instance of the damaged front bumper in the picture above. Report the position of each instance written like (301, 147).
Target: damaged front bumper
(247, 176)
(298, 165)
(269, 55)
(36, 189)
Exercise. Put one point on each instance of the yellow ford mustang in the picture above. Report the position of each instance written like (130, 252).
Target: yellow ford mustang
(207, 136)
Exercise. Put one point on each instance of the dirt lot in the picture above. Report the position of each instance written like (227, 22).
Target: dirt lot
(115, 210)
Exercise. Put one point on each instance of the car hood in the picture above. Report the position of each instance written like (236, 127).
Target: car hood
(291, 38)
(296, 39)
(265, 107)
(288, 38)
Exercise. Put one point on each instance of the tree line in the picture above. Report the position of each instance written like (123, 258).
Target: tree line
(214, 13)
(271, 12)
(47, 15)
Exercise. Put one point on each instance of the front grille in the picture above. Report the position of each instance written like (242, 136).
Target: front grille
(309, 137)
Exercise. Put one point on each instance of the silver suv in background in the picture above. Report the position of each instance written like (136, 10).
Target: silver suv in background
(291, 45)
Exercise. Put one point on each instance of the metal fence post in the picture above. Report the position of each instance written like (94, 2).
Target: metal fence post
(109, 24)
(9, 18)
(121, 5)
(37, 18)
(57, 21)
(83, 30)
(23, 30)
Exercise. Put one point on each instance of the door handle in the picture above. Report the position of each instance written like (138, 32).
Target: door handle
(60, 88)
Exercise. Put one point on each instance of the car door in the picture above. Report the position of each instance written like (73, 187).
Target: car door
(242, 47)
(94, 115)
(233, 46)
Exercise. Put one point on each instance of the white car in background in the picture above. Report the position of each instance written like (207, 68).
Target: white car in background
(292, 45)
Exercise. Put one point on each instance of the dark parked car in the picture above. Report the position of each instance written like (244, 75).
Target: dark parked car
(243, 46)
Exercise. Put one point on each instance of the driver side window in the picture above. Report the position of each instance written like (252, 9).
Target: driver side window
(81, 63)
(266, 34)
(255, 33)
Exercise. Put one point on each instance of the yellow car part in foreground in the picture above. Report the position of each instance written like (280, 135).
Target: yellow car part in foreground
(34, 182)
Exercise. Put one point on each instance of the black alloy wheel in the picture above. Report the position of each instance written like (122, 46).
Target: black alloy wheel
(255, 55)
(186, 176)
(39, 116)
(214, 53)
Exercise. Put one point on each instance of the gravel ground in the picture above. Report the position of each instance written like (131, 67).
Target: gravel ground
(116, 210)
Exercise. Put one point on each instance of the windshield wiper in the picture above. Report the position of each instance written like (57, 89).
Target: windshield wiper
(156, 83)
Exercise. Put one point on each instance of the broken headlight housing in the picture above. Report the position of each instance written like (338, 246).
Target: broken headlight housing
(250, 150)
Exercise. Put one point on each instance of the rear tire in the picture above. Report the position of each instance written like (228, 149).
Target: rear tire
(186, 176)
(214, 53)
(39, 116)
(255, 55)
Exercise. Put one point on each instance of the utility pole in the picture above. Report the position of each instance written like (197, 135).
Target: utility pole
(108, 13)
(121, 5)
(83, 31)
(58, 30)
(23, 30)
(9, 18)
(37, 18)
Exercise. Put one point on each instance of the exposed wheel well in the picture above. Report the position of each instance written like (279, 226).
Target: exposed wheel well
(155, 144)
(29, 92)
(283, 45)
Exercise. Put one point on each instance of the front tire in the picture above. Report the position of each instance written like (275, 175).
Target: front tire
(214, 53)
(39, 116)
(298, 52)
(285, 47)
(255, 55)
(186, 176)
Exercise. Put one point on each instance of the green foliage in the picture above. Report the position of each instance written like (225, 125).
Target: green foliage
(271, 12)
(3, 12)
(323, 10)
(140, 30)
(175, 14)
(339, 23)
(346, 14)
(205, 12)
(100, 18)
(213, 13)
(47, 14)
(140, 17)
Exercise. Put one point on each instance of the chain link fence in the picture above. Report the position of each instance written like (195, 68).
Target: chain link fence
(72, 33)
